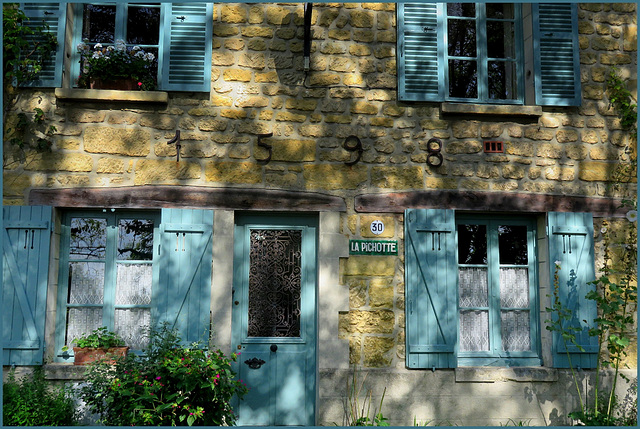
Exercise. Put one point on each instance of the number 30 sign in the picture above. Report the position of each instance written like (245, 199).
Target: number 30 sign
(377, 227)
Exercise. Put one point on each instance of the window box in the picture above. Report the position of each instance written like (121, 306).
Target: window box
(86, 355)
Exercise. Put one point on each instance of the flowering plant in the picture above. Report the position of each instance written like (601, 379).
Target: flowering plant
(116, 62)
(169, 385)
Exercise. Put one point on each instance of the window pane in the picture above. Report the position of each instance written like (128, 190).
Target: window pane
(143, 25)
(132, 324)
(462, 37)
(135, 239)
(474, 331)
(463, 79)
(473, 287)
(502, 80)
(133, 285)
(514, 287)
(500, 10)
(500, 40)
(99, 23)
(515, 331)
(512, 241)
(88, 238)
(86, 283)
(472, 244)
(82, 321)
(461, 9)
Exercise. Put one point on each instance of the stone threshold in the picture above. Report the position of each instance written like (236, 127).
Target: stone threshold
(73, 94)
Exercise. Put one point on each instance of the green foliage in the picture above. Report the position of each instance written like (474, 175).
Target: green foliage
(32, 402)
(116, 62)
(512, 422)
(622, 101)
(25, 48)
(169, 384)
(359, 414)
(99, 338)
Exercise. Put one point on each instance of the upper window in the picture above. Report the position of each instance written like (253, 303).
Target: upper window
(178, 35)
(476, 52)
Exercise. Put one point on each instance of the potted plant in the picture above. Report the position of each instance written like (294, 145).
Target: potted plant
(116, 67)
(100, 344)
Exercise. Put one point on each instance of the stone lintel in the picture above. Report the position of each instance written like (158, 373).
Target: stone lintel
(72, 94)
(488, 201)
(186, 197)
(491, 109)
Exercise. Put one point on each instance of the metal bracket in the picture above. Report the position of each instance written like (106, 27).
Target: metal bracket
(176, 140)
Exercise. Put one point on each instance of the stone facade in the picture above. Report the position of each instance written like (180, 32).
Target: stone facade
(259, 86)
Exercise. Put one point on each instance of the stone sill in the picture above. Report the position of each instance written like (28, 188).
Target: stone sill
(64, 371)
(491, 375)
(73, 94)
(491, 109)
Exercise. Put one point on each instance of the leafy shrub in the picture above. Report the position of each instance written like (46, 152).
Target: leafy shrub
(31, 402)
(99, 338)
(169, 384)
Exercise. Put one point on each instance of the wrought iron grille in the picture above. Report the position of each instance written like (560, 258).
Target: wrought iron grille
(274, 283)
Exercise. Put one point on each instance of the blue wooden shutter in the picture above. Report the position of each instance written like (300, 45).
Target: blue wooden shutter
(54, 15)
(185, 51)
(27, 234)
(556, 54)
(183, 272)
(430, 282)
(571, 244)
(420, 52)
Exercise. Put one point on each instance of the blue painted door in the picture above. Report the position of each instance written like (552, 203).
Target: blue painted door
(274, 319)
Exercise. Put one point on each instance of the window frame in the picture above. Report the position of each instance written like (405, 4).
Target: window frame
(482, 57)
(108, 305)
(496, 356)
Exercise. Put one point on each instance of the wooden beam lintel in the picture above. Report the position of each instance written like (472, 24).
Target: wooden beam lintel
(489, 202)
(187, 197)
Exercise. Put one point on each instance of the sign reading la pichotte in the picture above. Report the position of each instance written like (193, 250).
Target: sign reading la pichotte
(373, 247)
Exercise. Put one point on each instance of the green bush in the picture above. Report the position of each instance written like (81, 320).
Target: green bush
(169, 384)
(31, 402)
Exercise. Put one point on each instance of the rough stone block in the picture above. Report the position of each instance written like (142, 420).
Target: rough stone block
(117, 141)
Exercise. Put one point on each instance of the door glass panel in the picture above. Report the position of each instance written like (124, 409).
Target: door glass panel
(133, 285)
(472, 244)
(274, 283)
(88, 238)
(82, 320)
(86, 283)
(514, 287)
(515, 331)
(132, 325)
(135, 239)
(512, 240)
(474, 330)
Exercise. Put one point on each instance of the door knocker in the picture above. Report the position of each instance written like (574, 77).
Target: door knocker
(254, 363)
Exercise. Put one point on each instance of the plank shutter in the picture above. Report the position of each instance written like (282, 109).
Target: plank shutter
(571, 244)
(420, 66)
(556, 54)
(183, 272)
(54, 15)
(185, 53)
(430, 279)
(27, 235)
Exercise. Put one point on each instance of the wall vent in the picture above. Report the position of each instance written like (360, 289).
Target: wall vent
(493, 147)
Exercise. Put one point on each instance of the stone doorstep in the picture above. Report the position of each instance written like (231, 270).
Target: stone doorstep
(518, 374)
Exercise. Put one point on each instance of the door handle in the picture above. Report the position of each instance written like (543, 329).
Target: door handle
(273, 348)
(254, 363)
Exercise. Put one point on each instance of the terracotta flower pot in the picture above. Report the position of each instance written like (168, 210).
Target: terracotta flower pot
(120, 84)
(86, 355)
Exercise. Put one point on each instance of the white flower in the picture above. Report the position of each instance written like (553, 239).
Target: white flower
(603, 230)
(96, 54)
(82, 46)
(150, 57)
(110, 48)
(136, 48)
(558, 264)
(97, 46)
(139, 54)
(632, 215)
(120, 45)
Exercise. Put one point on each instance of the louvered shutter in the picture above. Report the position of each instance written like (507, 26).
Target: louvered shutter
(25, 270)
(430, 281)
(53, 14)
(421, 50)
(556, 54)
(185, 53)
(571, 244)
(183, 272)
